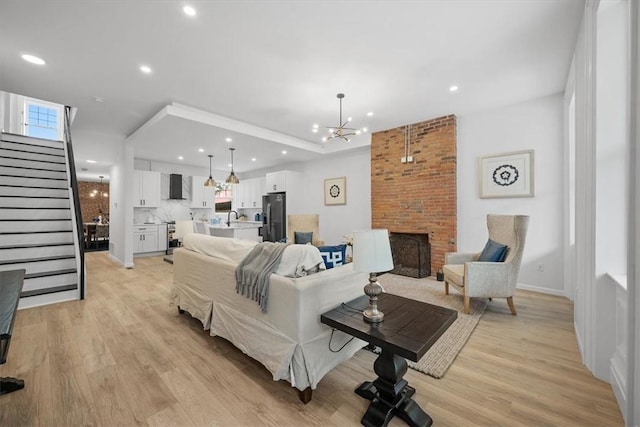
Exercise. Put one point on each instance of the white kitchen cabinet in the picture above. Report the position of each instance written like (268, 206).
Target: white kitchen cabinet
(149, 238)
(145, 239)
(146, 189)
(202, 197)
(237, 194)
(248, 193)
(258, 189)
(282, 181)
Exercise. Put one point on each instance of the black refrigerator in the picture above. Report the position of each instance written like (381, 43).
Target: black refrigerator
(274, 217)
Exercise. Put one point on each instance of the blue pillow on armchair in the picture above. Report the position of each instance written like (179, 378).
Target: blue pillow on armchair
(493, 252)
(333, 256)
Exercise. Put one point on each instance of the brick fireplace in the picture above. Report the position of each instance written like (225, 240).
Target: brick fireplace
(417, 197)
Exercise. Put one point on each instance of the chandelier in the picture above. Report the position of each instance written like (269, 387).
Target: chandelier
(341, 131)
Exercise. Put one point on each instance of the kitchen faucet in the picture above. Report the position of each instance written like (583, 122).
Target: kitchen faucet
(229, 217)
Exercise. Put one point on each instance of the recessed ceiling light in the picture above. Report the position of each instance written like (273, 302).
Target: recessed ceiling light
(228, 139)
(180, 158)
(145, 69)
(201, 150)
(315, 126)
(453, 88)
(324, 139)
(230, 165)
(33, 59)
(364, 129)
(284, 151)
(91, 161)
(358, 132)
(98, 99)
(253, 159)
(189, 11)
(370, 113)
(314, 130)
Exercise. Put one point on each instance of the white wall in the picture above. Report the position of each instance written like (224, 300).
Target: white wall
(536, 125)
(339, 220)
(120, 210)
(611, 174)
(335, 221)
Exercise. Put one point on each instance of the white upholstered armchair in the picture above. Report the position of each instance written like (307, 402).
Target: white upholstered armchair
(474, 278)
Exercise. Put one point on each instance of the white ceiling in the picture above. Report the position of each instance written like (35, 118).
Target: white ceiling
(265, 71)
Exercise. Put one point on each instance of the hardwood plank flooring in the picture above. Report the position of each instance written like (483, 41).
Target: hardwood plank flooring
(125, 357)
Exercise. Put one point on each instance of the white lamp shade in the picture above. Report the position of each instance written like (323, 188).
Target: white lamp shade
(372, 251)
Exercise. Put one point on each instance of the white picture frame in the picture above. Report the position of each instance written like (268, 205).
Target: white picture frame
(335, 191)
(507, 175)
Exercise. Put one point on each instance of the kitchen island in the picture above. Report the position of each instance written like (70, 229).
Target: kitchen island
(247, 230)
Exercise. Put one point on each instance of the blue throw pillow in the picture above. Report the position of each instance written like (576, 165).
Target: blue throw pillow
(333, 256)
(493, 252)
(302, 237)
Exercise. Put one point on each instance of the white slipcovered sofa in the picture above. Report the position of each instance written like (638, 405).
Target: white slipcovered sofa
(288, 339)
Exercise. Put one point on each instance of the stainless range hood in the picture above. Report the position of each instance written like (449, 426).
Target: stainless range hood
(175, 187)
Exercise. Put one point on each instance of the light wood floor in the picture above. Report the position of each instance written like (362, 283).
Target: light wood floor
(125, 357)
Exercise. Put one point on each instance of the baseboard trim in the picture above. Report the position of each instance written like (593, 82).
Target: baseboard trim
(120, 262)
(619, 389)
(540, 289)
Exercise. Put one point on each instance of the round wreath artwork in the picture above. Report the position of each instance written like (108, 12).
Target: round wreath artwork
(505, 175)
(334, 191)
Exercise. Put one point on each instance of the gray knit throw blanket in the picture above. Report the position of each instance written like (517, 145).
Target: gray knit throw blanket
(253, 272)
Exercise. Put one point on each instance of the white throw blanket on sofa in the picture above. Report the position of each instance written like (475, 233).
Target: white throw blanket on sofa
(252, 274)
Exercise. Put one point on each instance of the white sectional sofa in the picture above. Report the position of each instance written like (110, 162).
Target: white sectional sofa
(288, 339)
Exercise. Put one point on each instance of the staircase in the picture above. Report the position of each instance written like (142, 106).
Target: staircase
(38, 228)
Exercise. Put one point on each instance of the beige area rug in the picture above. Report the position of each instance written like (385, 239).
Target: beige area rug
(442, 354)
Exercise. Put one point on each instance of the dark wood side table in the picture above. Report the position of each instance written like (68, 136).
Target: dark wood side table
(408, 330)
(11, 283)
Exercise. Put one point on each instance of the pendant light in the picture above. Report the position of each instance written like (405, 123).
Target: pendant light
(232, 178)
(210, 182)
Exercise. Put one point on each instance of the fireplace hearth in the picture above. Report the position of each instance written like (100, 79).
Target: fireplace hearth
(411, 254)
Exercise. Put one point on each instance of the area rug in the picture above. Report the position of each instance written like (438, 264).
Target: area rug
(442, 354)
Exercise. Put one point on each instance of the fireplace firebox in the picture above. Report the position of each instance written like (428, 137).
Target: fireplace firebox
(411, 254)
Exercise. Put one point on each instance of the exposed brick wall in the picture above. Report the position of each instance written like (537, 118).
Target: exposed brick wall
(90, 206)
(417, 197)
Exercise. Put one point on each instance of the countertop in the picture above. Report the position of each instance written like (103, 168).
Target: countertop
(237, 224)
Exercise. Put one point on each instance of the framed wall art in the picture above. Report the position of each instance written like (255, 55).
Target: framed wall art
(335, 191)
(507, 175)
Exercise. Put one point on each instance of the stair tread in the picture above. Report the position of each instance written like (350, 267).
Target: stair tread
(35, 197)
(34, 177)
(36, 245)
(33, 207)
(31, 220)
(2, 134)
(33, 169)
(33, 186)
(49, 273)
(30, 152)
(39, 259)
(35, 160)
(43, 291)
(9, 233)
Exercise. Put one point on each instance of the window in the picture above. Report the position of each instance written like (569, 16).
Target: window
(42, 120)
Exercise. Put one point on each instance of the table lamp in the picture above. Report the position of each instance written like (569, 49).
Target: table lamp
(372, 254)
